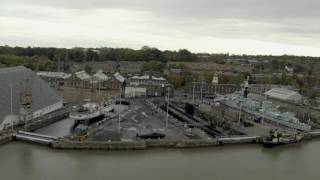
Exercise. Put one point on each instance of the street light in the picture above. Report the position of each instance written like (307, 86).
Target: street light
(119, 119)
(168, 96)
(193, 91)
(240, 111)
(11, 106)
(201, 90)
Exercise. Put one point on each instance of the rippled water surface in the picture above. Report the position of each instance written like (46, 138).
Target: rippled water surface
(249, 162)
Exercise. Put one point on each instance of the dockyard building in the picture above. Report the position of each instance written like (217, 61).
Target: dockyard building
(285, 95)
(24, 96)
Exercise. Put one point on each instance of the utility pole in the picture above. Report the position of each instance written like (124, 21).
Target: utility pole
(215, 89)
(245, 95)
(11, 106)
(119, 119)
(193, 91)
(59, 59)
(201, 91)
(240, 111)
(264, 108)
(99, 88)
(263, 113)
(168, 96)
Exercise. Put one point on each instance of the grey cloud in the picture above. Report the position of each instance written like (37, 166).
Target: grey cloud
(285, 21)
(200, 8)
(287, 15)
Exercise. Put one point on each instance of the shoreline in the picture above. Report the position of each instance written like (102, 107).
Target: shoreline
(134, 145)
(65, 144)
(6, 137)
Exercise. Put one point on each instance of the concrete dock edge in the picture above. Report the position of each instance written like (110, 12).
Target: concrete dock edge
(6, 138)
(136, 145)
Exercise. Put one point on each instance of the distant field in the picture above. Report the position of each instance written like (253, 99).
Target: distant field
(213, 66)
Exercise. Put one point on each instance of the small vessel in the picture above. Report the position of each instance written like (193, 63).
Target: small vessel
(89, 113)
(271, 143)
(276, 139)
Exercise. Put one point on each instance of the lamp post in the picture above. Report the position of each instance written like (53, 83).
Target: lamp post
(201, 91)
(168, 101)
(11, 106)
(193, 91)
(119, 118)
(240, 111)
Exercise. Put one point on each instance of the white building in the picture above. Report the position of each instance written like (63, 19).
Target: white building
(285, 95)
(131, 92)
(83, 76)
(148, 79)
(60, 75)
(215, 79)
(288, 69)
(101, 76)
(119, 77)
(14, 83)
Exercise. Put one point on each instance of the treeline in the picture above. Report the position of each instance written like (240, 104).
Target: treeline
(65, 57)
(39, 63)
(101, 54)
(146, 53)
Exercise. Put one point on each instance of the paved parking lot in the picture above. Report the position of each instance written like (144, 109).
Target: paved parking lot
(140, 117)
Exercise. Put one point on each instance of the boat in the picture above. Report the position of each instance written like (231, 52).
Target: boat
(263, 109)
(89, 113)
(276, 139)
(271, 143)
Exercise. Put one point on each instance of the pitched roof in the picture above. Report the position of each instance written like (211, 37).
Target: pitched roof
(61, 75)
(83, 75)
(140, 77)
(146, 77)
(23, 79)
(282, 93)
(101, 76)
(158, 78)
(119, 77)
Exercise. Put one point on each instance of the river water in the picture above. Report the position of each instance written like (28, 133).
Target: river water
(246, 162)
(59, 129)
(240, 162)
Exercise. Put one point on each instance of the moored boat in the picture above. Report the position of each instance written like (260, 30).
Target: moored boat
(276, 139)
(90, 113)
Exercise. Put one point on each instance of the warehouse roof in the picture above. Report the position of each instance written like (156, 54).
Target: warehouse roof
(146, 77)
(101, 76)
(83, 75)
(283, 93)
(61, 75)
(119, 77)
(158, 78)
(22, 79)
(140, 77)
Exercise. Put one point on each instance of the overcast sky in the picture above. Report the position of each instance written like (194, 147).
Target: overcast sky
(215, 26)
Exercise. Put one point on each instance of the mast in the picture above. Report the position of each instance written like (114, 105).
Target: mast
(26, 102)
(245, 95)
(264, 108)
(193, 91)
(201, 90)
(11, 105)
(168, 96)
(240, 111)
(119, 118)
